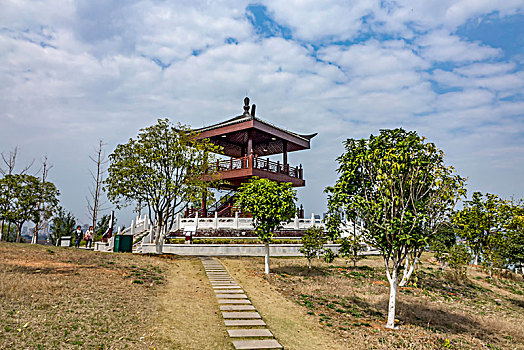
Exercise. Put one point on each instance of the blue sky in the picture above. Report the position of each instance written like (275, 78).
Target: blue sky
(75, 72)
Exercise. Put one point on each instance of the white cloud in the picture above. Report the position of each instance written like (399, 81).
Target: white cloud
(444, 47)
(485, 69)
(98, 80)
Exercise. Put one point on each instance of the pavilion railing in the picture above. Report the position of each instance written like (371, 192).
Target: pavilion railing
(259, 163)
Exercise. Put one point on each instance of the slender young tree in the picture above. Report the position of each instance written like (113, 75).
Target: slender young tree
(46, 210)
(271, 204)
(163, 168)
(312, 243)
(351, 247)
(400, 187)
(95, 203)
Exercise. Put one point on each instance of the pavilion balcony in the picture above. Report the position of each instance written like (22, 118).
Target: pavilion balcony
(238, 170)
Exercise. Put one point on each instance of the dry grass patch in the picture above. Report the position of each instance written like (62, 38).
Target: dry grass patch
(54, 298)
(58, 298)
(290, 323)
(434, 312)
(189, 315)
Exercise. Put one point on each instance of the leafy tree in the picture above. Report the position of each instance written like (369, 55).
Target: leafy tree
(514, 244)
(9, 232)
(62, 224)
(350, 248)
(400, 187)
(482, 223)
(332, 222)
(312, 243)
(329, 255)
(458, 260)
(163, 168)
(270, 203)
(9, 161)
(443, 242)
(21, 195)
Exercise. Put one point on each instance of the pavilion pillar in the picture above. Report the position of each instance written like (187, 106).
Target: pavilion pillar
(249, 149)
(249, 143)
(284, 152)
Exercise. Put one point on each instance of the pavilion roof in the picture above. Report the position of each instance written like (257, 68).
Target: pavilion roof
(233, 134)
(248, 117)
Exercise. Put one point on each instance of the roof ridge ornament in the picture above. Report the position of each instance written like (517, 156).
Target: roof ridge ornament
(246, 106)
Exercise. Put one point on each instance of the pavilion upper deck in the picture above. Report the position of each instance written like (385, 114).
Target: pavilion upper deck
(237, 170)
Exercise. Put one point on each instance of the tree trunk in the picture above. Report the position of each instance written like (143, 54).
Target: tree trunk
(309, 264)
(392, 299)
(159, 241)
(2, 230)
(408, 271)
(34, 240)
(266, 260)
(476, 260)
(18, 234)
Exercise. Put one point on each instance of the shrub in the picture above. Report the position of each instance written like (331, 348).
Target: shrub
(312, 243)
(329, 255)
(458, 260)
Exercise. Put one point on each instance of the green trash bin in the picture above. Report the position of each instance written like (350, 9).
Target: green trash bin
(123, 243)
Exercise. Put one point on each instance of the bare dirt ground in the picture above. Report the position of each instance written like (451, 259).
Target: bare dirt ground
(350, 305)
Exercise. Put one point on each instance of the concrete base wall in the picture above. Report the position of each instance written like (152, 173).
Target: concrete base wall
(232, 249)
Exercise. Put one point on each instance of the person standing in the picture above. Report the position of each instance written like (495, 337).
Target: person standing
(90, 234)
(78, 236)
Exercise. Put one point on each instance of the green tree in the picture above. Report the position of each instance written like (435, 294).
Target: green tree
(483, 222)
(458, 260)
(514, 251)
(163, 168)
(329, 255)
(312, 243)
(62, 224)
(9, 232)
(443, 242)
(9, 161)
(22, 195)
(350, 248)
(400, 187)
(270, 204)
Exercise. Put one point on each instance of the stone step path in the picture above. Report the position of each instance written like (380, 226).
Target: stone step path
(245, 326)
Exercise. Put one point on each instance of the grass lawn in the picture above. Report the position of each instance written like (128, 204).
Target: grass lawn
(58, 298)
(350, 305)
(64, 298)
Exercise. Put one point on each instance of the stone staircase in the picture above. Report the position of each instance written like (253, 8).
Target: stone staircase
(245, 325)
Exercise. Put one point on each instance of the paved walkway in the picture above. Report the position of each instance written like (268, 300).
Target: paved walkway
(245, 326)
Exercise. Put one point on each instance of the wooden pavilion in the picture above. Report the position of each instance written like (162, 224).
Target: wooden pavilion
(248, 142)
